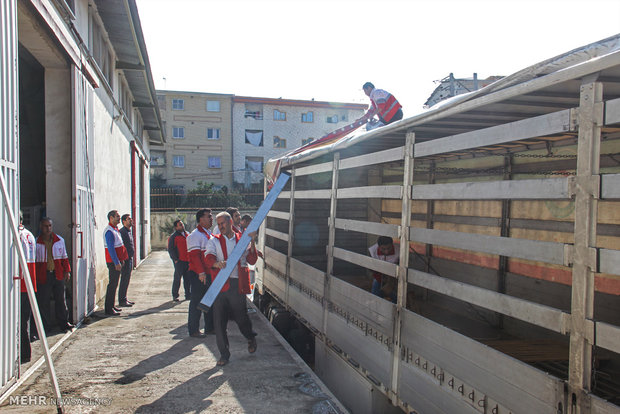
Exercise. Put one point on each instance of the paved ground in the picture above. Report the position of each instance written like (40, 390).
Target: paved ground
(145, 362)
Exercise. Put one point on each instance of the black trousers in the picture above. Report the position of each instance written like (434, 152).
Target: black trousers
(397, 117)
(23, 333)
(125, 277)
(231, 303)
(198, 290)
(56, 288)
(110, 294)
(180, 272)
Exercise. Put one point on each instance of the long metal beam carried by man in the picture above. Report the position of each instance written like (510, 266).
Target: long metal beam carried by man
(244, 241)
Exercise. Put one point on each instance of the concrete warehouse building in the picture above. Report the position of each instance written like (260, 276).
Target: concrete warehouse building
(77, 73)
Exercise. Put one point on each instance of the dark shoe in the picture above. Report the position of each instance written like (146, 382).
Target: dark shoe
(188, 298)
(117, 309)
(210, 332)
(252, 345)
(25, 359)
(222, 362)
(125, 305)
(113, 312)
(67, 327)
(175, 300)
(197, 335)
(130, 302)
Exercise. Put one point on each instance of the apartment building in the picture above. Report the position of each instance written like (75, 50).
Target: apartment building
(266, 127)
(199, 148)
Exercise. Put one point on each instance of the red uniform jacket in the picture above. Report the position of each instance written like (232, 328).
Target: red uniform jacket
(59, 254)
(244, 271)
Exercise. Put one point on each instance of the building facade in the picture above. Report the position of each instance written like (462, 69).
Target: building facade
(451, 86)
(265, 127)
(88, 116)
(199, 148)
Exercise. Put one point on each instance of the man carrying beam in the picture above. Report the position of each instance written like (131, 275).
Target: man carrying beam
(231, 298)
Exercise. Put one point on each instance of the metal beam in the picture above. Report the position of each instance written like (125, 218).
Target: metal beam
(543, 189)
(129, 66)
(553, 123)
(548, 252)
(534, 313)
(584, 266)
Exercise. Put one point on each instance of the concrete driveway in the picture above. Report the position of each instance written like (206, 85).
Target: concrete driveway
(145, 362)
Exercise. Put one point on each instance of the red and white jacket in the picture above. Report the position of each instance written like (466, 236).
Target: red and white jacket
(59, 254)
(29, 244)
(393, 256)
(119, 246)
(196, 247)
(384, 104)
(218, 251)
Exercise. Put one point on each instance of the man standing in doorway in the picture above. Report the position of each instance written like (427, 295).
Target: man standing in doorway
(177, 249)
(29, 245)
(52, 269)
(199, 273)
(383, 104)
(115, 256)
(231, 300)
(127, 236)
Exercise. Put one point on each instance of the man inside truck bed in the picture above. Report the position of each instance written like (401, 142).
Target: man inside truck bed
(383, 285)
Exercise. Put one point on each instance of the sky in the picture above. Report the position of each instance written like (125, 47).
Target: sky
(326, 49)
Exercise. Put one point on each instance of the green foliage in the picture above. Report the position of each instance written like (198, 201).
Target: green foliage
(168, 226)
(207, 195)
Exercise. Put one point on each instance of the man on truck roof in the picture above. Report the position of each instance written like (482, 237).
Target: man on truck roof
(383, 104)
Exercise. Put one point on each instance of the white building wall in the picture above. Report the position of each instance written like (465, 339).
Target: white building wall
(112, 182)
(292, 129)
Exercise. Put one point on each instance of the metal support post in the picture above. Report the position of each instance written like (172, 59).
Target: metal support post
(331, 238)
(584, 265)
(403, 265)
(291, 231)
(504, 232)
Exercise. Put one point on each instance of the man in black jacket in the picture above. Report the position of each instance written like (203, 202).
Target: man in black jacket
(127, 236)
(177, 249)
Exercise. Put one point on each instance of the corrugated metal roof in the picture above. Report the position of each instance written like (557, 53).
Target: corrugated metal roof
(122, 22)
(549, 86)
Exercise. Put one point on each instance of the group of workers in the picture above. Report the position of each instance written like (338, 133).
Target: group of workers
(198, 257)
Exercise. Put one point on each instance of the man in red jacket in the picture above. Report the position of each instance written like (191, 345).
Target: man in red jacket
(231, 299)
(30, 250)
(177, 250)
(52, 268)
(198, 273)
(383, 104)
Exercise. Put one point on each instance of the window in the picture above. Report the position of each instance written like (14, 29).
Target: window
(178, 132)
(307, 117)
(254, 164)
(178, 161)
(279, 116)
(213, 106)
(178, 104)
(306, 141)
(254, 137)
(332, 119)
(213, 133)
(101, 51)
(343, 117)
(158, 159)
(279, 142)
(215, 162)
(253, 114)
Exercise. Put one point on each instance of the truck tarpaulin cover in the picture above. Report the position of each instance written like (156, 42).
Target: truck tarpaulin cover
(352, 133)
